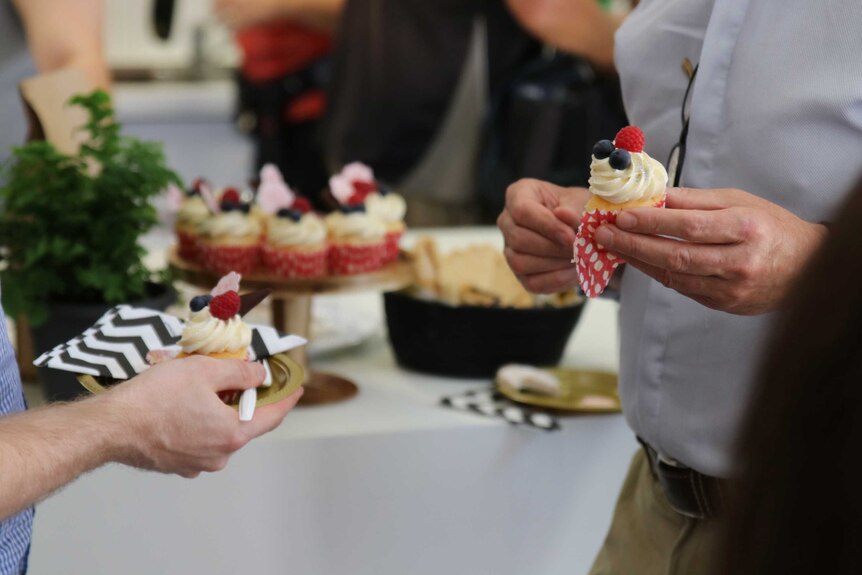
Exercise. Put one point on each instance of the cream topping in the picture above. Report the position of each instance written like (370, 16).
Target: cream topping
(309, 230)
(233, 224)
(389, 208)
(204, 334)
(355, 225)
(192, 212)
(644, 178)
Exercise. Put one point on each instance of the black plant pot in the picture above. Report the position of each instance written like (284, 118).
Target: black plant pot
(66, 320)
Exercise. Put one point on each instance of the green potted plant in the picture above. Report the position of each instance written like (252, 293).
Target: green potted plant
(70, 227)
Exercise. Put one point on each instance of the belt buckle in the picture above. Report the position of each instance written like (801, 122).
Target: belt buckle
(687, 491)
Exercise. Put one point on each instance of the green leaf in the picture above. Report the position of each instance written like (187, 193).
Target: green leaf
(71, 234)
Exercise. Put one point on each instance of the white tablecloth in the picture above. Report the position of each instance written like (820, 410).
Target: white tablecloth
(386, 483)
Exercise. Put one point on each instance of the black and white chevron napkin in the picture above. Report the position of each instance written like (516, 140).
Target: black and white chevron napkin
(117, 344)
(491, 403)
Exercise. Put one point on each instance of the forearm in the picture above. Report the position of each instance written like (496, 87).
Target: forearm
(66, 34)
(578, 27)
(43, 449)
(322, 14)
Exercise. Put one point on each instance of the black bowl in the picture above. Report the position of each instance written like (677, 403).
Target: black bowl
(474, 341)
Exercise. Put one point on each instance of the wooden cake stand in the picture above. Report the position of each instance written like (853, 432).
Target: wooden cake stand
(291, 310)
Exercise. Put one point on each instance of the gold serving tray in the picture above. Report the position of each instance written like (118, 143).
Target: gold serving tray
(582, 392)
(287, 377)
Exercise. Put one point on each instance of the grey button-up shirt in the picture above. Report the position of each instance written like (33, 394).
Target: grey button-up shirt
(776, 110)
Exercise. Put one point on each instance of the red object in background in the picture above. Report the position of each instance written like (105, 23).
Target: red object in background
(274, 50)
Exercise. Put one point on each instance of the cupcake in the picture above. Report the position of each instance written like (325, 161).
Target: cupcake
(622, 176)
(215, 328)
(295, 244)
(390, 208)
(357, 240)
(230, 239)
(191, 211)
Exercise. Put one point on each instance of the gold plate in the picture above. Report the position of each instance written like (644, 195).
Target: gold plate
(287, 377)
(582, 392)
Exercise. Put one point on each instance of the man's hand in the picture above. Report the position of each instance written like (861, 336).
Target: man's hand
(725, 248)
(175, 422)
(538, 225)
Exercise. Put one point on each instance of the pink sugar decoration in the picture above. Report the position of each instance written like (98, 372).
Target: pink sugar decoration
(273, 193)
(175, 197)
(230, 282)
(209, 198)
(357, 172)
(341, 188)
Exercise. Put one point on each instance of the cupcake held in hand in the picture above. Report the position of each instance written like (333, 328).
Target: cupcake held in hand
(215, 328)
(622, 176)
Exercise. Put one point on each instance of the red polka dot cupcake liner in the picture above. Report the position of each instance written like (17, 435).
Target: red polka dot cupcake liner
(390, 253)
(224, 259)
(293, 263)
(188, 248)
(350, 258)
(595, 264)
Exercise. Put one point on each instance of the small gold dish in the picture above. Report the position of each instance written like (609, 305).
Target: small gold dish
(287, 377)
(582, 392)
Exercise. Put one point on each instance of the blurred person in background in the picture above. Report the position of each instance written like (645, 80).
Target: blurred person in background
(414, 97)
(43, 36)
(285, 46)
(797, 508)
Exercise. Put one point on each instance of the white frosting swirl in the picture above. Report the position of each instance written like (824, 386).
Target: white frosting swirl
(644, 178)
(389, 208)
(355, 225)
(234, 224)
(309, 230)
(192, 212)
(205, 334)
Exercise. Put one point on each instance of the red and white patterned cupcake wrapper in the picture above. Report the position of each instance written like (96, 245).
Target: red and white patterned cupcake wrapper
(294, 263)
(356, 258)
(595, 264)
(391, 248)
(188, 246)
(223, 259)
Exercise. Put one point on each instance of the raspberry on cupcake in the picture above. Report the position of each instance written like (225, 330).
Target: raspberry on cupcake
(215, 328)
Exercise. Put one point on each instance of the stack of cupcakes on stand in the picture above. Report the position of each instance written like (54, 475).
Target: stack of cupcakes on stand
(275, 231)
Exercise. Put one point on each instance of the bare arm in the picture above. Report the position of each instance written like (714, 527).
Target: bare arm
(168, 419)
(320, 14)
(579, 27)
(65, 34)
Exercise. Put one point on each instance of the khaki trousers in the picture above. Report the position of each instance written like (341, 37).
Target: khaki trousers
(647, 537)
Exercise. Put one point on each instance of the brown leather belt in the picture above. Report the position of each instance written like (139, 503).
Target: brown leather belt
(689, 492)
